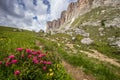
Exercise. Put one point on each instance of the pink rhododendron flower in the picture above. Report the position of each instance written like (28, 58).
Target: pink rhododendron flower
(5, 59)
(41, 62)
(36, 61)
(22, 56)
(0, 62)
(44, 68)
(44, 62)
(34, 58)
(11, 56)
(14, 61)
(41, 55)
(48, 62)
(28, 51)
(19, 49)
(34, 53)
(29, 56)
(7, 63)
(17, 72)
(38, 52)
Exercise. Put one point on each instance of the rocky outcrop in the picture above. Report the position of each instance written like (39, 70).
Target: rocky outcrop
(87, 41)
(78, 8)
(97, 3)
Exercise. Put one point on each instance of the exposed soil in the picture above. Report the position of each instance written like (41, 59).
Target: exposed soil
(101, 57)
(77, 73)
(97, 55)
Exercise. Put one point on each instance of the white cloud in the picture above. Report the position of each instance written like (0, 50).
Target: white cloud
(26, 20)
(13, 14)
(58, 6)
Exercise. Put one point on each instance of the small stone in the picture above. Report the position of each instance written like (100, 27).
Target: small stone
(101, 29)
(73, 38)
(86, 41)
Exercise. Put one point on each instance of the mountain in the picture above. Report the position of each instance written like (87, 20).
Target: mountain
(78, 8)
(95, 20)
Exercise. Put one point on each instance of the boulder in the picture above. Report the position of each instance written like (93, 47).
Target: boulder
(87, 41)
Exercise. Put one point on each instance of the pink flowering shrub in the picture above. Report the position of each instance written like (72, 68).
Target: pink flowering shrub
(0, 62)
(11, 56)
(19, 49)
(17, 72)
(27, 64)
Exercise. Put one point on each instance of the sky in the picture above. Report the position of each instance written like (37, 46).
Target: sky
(31, 14)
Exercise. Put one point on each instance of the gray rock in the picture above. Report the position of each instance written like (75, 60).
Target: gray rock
(115, 22)
(14, 30)
(103, 11)
(81, 32)
(41, 31)
(91, 23)
(102, 34)
(73, 38)
(20, 30)
(111, 39)
(86, 41)
(97, 3)
(101, 29)
(70, 33)
(116, 44)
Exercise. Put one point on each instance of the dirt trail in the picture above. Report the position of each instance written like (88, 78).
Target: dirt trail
(97, 55)
(76, 73)
(101, 57)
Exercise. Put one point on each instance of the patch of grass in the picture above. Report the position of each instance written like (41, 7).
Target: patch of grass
(9, 39)
(107, 50)
(60, 36)
(48, 45)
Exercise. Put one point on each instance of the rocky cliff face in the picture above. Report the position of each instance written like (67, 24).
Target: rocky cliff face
(78, 8)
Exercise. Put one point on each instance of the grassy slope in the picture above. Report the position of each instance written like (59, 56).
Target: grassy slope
(100, 42)
(9, 39)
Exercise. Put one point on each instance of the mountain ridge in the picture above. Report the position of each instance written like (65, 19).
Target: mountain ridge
(76, 9)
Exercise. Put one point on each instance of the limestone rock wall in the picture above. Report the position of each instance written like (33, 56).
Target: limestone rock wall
(78, 8)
